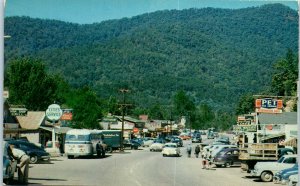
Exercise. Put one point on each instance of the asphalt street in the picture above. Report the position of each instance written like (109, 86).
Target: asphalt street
(137, 168)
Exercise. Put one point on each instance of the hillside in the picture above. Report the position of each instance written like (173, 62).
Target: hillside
(215, 55)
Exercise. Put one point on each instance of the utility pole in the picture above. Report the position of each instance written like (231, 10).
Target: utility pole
(123, 106)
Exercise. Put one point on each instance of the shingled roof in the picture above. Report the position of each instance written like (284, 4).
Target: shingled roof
(33, 120)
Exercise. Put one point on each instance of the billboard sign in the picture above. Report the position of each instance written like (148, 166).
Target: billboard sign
(268, 105)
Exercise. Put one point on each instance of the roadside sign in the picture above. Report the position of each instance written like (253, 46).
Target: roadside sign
(67, 114)
(53, 112)
(18, 111)
(135, 130)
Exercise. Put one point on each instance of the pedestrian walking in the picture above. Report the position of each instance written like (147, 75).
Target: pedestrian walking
(197, 151)
(189, 150)
(23, 161)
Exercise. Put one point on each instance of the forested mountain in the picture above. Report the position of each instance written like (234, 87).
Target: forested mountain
(215, 55)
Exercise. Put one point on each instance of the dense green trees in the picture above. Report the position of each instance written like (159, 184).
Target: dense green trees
(86, 108)
(214, 55)
(284, 80)
(29, 84)
(245, 105)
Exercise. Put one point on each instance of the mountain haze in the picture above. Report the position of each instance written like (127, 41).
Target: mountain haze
(215, 55)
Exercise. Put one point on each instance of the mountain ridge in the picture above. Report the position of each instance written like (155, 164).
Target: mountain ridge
(215, 55)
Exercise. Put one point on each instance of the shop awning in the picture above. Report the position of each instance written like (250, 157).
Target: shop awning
(291, 142)
(272, 136)
(57, 130)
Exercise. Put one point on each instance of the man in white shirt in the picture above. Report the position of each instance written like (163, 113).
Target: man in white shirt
(21, 156)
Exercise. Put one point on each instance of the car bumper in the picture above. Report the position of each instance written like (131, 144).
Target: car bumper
(219, 162)
(276, 179)
(284, 182)
(255, 173)
(45, 157)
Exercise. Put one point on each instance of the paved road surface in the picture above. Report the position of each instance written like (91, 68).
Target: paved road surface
(137, 168)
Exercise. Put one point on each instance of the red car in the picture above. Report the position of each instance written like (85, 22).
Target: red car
(185, 137)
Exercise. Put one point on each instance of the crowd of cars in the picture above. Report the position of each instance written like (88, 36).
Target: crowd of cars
(284, 171)
(221, 153)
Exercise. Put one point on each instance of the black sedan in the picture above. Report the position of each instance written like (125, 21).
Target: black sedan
(35, 152)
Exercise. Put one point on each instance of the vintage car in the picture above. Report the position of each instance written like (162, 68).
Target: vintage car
(267, 170)
(185, 136)
(283, 175)
(171, 149)
(227, 157)
(35, 152)
(178, 141)
(293, 180)
(156, 146)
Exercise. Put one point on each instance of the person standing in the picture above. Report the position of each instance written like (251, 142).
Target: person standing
(197, 151)
(189, 150)
(23, 159)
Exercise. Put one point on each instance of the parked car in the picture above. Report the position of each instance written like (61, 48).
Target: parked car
(178, 141)
(185, 136)
(223, 139)
(197, 138)
(267, 170)
(285, 176)
(132, 144)
(217, 148)
(227, 157)
(9, 167)
(159, 140)
(156, 146)
(170, 149)
(147, 142)
(293, 180)
(35, 152)
(210, 135)
(138, 140)
(278, 176)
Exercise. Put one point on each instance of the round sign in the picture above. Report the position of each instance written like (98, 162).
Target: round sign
(53, 112)
(135, 130)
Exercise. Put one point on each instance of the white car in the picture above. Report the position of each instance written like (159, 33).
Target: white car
(147, 142)
(266, 170)
(156, 147)
(293, 180)
(170, 149)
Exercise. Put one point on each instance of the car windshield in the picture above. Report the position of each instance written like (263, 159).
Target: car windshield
(280, 160)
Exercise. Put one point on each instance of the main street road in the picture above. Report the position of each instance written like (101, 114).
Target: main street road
(137, 168)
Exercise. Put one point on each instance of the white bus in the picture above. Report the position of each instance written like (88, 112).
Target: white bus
(84, 142)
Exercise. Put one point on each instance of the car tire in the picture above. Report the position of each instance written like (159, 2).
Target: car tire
(218, 166)
(33, 159)
(70, 157)
(266, 176)
(164, 155)
(227, 164)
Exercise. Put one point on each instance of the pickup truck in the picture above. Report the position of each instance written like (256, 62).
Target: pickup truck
(266, 170)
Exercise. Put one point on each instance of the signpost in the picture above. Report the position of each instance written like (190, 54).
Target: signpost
(53, 113)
